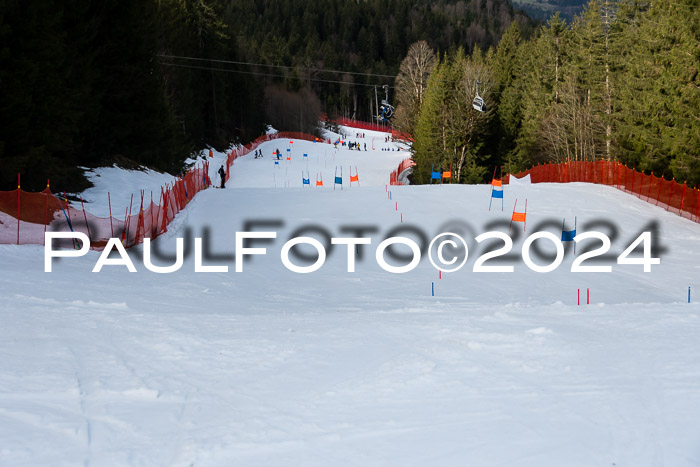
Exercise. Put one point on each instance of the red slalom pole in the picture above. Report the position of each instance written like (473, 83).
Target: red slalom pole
(588, 296)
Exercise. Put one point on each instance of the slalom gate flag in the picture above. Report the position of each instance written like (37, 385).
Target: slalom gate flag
(497, 194)
(519, 216)
(568, 235)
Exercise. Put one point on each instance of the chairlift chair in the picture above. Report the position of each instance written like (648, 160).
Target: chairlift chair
(478, 102)
(386, 110)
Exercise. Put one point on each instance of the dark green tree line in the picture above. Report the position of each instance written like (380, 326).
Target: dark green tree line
(621, 82)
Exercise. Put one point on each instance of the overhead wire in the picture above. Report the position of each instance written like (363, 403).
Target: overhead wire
(233, 62)
(227, 70)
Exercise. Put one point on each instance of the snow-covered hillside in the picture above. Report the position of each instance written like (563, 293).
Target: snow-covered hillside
(269, 367)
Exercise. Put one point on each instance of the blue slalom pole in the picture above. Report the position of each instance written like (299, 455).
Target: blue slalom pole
(688, 294)
(432, 286)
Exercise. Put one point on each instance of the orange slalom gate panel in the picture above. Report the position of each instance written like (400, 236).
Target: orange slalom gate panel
(519, 216)
(495, 182)
(447, 175)
(354, 178)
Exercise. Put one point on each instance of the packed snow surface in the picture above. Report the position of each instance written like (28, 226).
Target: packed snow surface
(267, 367)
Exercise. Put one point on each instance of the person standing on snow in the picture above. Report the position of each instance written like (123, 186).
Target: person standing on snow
(222, 174)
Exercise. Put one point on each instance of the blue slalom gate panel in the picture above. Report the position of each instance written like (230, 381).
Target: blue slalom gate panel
(497, 194)
(436, 175)
(339, 180)
(568, 235)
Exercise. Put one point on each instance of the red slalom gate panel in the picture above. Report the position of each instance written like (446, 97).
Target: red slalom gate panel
(669, 194)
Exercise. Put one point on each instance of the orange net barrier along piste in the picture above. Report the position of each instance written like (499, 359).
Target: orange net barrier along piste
(394, 176)
(25, 216)
(675, 197)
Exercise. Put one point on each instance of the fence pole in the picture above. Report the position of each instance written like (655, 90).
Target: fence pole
(151, 208)
(18, 209)
(651, 179)
(111, 225)
(680, 213)
(87, 226)
(46, 211)
(128, 219)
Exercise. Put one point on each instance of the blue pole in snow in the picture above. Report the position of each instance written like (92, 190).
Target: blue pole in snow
(688, 294)
(432, 286)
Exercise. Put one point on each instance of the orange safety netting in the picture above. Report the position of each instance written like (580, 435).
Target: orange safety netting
(25, 216)
(669, 194)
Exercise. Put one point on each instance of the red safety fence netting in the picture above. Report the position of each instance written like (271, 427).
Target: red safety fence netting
(250, 147)
(26, 216)
(669, 194)
(394, 176)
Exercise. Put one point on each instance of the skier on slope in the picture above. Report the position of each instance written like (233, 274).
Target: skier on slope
(222, 174)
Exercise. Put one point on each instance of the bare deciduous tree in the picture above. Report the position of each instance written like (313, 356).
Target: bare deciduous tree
(411, 84)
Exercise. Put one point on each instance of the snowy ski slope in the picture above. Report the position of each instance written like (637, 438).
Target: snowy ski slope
(267, 367)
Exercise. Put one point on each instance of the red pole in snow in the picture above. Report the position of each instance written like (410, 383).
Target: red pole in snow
(151, 208)
(588, 296)
(111, 226)
(651, 179)
(578, 296)
(128, 219)
(18, 209)
(682, 200)
(46, 211)
(82, 206)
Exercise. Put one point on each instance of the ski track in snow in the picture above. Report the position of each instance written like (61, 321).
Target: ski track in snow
(268, 367)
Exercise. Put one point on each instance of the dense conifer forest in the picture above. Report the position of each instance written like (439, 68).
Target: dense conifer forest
(146, 83)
